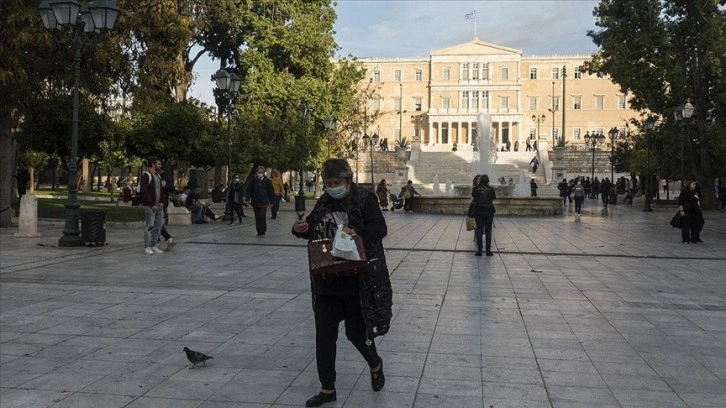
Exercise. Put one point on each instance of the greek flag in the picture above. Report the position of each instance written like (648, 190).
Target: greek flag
(471, 15)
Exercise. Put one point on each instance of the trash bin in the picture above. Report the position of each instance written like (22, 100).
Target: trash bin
(613, 198)
(93, 227)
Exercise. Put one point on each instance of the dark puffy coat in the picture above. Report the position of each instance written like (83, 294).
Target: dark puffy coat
(366, 218)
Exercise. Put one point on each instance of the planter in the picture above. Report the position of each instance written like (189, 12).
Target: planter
(559, 152)
(401, 152)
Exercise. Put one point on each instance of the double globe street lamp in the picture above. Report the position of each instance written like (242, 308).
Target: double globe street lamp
(538, 120)
(593, 141)
(328, 122)
(371, 141)
(683, 113)
(91, 17)
(228, 82)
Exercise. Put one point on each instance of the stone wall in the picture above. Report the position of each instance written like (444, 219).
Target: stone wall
(505, 206)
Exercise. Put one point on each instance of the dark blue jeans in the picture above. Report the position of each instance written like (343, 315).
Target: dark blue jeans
(484, 222)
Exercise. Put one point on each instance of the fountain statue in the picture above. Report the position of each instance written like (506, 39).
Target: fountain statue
(522, 185)
(449, 186)
(437, 188)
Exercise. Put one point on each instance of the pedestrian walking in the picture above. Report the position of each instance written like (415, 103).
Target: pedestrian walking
(533, 188)
(408, 192)
(564, 191)
(150, 185)
(579, 192)
(236, 199)
(689, 207)
(605, 187)
(260, 194)
(363, 301)
(484, 196)
(279, 189)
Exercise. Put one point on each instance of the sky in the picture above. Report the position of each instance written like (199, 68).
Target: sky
(411, 28)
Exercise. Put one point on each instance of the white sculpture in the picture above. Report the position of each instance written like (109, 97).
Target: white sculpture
(437, 188)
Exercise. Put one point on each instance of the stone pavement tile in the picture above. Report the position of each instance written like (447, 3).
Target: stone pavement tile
(573, 379)
(513, 403)
(220, 404)
(258, 386)
(394, 384)
(705, 400)
(511, 375)
(25, 398)
(450, 387)
(580, 394)
(513, 391)
(296, 396)
(635, 367)
(647, 398)
(149, 402)
(83, 400)
(14, 378)
(437, 400)
(449, 372)
(385, 398)
(185, 389)
(594, 404)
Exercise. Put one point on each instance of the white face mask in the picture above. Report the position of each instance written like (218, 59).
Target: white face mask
(260, 175)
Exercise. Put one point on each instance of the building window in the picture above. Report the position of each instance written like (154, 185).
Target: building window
(555, 103)
(475, 70)
(419, 75)
(578, 72)
(532, 102)
(465, 71)
(397, 104)
(475, 100)
(504, 103)
(533, 73)
(599, 102)
(485, 71)
(376, 104)
(533, 133)
(621, 102)
(376, 75)
(446, 74)
(464, 100)
(485, 99)
(505, 74)
(577, 102)
(445, 103)
(397, 75)
(417, 103)
(555, 73)
(576, 132)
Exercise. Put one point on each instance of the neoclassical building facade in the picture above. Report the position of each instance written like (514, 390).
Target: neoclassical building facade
(435, 101)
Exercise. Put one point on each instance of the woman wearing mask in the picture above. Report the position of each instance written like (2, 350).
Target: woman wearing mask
(350, 299)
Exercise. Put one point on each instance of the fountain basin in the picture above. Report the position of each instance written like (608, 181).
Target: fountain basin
(537, 206)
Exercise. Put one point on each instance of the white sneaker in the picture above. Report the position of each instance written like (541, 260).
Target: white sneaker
(149, 251)
(156, 250)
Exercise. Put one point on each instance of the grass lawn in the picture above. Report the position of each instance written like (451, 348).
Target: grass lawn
(54, 208)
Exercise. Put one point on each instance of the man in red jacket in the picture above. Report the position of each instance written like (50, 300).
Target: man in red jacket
(151, 199)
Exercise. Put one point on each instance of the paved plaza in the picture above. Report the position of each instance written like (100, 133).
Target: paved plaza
(608, 311)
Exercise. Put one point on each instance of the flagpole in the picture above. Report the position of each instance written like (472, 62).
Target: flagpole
(475, 35)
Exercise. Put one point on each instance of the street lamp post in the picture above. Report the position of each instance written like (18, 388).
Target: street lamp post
(303, 112)
(328, 122)
(613, 133)
(552, 109)
(538, 119)
(648, 188)
(371, 141)
(682, 113)
(91, 17)
(229, 83)
(593, 141)
(356, 137)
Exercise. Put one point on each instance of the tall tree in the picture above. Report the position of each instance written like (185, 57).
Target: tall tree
(665, 52)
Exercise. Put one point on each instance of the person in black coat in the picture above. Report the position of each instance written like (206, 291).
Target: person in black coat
(689, 208)
(236, 199)
(260, 194)
(23, 177)
(564, 190)
(363, 301)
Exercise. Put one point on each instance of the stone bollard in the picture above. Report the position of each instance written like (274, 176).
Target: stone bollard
(28, 219)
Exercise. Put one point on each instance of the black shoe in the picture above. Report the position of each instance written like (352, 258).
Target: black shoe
(489, 253)
(272, 218)
(378, 380)
(320, 399)
(478, 253)
(231, 223)
(244, 216)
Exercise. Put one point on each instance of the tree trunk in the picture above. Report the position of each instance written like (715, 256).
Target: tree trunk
(6, 168)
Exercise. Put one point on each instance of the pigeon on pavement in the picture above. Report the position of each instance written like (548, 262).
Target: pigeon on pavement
(196, 357)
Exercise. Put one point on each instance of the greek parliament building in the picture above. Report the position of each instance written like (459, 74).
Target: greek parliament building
(435, 101)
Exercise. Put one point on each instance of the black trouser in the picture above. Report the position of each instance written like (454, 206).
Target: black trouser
(237, 208)
(329, 311)
(484, 222)
(209, 213)
(691, 227)
(408, 204)
(275, 205)
(165, 233)
(578, 204)
(260, 220)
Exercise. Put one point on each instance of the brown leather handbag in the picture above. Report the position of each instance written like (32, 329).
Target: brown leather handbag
(323, 265)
